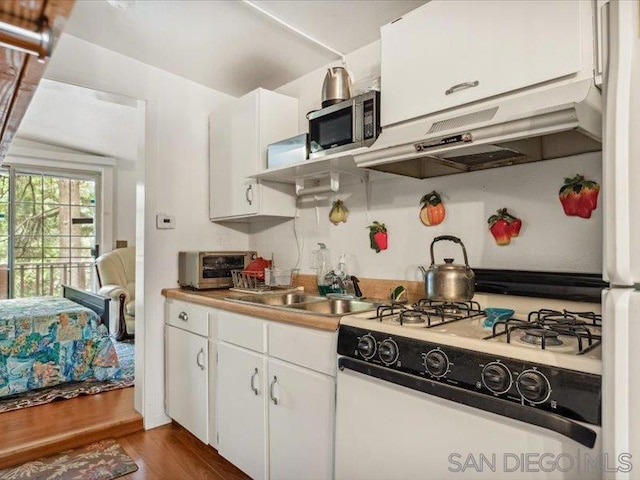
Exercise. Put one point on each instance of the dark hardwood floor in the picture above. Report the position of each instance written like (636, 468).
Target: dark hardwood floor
(171, 453)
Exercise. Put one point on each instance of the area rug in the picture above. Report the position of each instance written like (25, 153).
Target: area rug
(98, 461)
(41, 396)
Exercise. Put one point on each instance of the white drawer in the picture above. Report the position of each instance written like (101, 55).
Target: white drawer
(307, 347)
(242, 331)
(188, 316)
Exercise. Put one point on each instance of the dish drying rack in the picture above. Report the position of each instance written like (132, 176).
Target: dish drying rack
(259, 281)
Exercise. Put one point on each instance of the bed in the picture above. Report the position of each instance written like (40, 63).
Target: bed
(46, 341)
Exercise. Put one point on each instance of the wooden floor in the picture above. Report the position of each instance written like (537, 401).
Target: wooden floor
(169, 452)
(35, 432)
(172, 453)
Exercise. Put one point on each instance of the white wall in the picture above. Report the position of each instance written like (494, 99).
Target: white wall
(549, 240)
(174, 181)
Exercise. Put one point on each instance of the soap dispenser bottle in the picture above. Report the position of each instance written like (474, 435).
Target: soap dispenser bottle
(341, 269)
(322, 262)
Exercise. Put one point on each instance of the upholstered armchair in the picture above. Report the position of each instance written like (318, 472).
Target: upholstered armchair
(117, 277)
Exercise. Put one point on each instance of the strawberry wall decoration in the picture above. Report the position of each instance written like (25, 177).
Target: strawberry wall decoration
(378, 236)
(504, 226)
(432, 211)
(579, 197)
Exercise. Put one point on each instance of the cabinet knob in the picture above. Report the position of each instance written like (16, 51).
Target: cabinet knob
(253, 386)
(246, 194)
(183, 316)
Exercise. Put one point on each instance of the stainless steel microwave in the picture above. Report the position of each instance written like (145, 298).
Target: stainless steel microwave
(202, 270)
(346, 125)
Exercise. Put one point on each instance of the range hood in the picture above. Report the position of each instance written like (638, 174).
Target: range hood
(524, 127)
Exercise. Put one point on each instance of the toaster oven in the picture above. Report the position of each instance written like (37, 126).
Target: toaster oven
(203, 270)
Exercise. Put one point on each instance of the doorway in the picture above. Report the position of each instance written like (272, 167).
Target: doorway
(49, 226)
(68, 131)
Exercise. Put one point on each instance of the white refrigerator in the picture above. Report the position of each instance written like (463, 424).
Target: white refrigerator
(621, 202)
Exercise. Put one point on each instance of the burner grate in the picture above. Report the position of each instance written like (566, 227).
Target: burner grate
(545, 327)
(429, 313)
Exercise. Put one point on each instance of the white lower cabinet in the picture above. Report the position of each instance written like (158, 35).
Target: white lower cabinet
(275, 419)
(301, 412)
(241, 409)
(187, 394)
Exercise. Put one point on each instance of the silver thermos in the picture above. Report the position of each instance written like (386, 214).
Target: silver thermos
(336, 87)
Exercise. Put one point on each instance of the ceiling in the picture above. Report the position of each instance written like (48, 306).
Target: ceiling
(228, 45)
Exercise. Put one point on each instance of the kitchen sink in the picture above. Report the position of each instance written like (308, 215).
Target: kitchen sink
(336, 307)
(278, 299)
(303, 303)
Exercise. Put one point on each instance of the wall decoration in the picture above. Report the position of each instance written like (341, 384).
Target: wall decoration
(579, 197)
(339, 212)
(378, 236)
(504, 226)
(432, 211)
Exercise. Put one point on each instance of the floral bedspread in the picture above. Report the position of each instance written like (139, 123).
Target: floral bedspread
(45, 341)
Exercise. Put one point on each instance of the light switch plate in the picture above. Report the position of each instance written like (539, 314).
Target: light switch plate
(165, 222)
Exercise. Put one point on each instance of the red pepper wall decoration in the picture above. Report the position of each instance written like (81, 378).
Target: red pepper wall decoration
(504, 226)
(378, 236)
(579, 197)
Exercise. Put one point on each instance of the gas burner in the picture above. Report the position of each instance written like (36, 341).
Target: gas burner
(540, 336)
(566, 317)
(563, 321)
(449, 309)
(410, 317)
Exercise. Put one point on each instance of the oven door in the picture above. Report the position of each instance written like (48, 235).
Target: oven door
(388, 431)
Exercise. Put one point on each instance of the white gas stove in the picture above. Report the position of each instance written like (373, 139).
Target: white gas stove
(522, 386)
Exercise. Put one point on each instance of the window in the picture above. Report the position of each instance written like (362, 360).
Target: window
(48, 231)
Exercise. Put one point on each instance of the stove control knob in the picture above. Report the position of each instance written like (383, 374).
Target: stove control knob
(437, 363)
(496, 377)
(367, 346)
(533, 386)
(388, 351)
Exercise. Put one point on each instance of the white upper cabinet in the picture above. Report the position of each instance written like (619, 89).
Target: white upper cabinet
(239, 133)
(449, 53)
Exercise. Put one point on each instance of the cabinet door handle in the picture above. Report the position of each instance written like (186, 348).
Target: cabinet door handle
(273, 384)
(246, 194)
(183, 316)
(462, 86)
(253, 386)
(200, 364)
